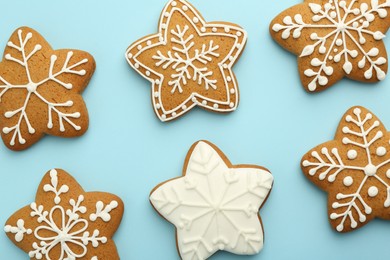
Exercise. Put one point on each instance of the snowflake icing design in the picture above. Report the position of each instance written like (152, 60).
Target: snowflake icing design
(189, 62)
(63, 227)
(359, 162)
(182, 62)
(22, 57)
(214, 207)
(339, 33)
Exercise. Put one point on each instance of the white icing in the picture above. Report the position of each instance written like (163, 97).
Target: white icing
(190, 64)
(352, 154)
(62, 226)
(373, 191)
(32, 89)
(328, 165)
(348, 181)
(343, 24)
(103, 212)
(214, 207)
(381, 151)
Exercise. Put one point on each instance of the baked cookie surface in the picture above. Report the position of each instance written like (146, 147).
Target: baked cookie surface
(214, 205)
(65, 222)
(189, 62)
(40, 90)
(335, 39)
(354, 169)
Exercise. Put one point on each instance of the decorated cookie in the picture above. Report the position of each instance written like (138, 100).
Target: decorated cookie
(40, 90)
(354, 169)
(189, 62)
(65, 222)
(335, 39)
(214, 205)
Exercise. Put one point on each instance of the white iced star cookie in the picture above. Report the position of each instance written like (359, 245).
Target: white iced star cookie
(65, 222)
(335, 39)
(354, 169)
(189, 62)
(214, 205)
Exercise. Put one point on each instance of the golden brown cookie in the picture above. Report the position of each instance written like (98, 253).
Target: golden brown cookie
(354, 169)
(40, 90)
(189, 62)
(335, 39)
(65, 222)
(214, 205)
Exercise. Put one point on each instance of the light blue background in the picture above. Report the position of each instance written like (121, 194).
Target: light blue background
(127, 150)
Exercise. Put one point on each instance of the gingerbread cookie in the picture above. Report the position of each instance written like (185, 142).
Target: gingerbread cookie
(65, 222)
(354, 169)
(335, 39)
(40, 90)
(189, 62)
(214, 205)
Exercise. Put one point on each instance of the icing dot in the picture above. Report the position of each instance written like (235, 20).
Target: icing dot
(157, 81)
(174, 3)
(147, 73)
(204, 102)
(339, 42)
(130, 55)
(227, 29)
(348, 181)
(231, 104)
(185, 8)
(352, 154)
(372, 191)
(195, 20)
(388, 173)
(238, 33)
(193, 99)
(164, 116)
(166, 14)
(158, 106)
(148, 43)
(238, 45)
(225, 66)
(163, 26)
(330, 57)
(214, 29)
(174, 114)
(184, 107)
(156, 94)
(336, 50)
(232, 91)
(215, 106)
(380, 151)
(136, 65)
(161, 39)
(231, 58)
(139, 47)
(203, 29)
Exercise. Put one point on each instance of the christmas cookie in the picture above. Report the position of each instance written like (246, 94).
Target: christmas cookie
(335, 39)
(40, 90)
(189, 62)
(354, 169)
(214, 205)
(65, 222)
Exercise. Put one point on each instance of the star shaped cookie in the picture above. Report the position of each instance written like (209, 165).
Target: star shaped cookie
(214, 205)
(40, 90)
(65, 222)
(189, 62)
(354, 169)
(335, 39)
